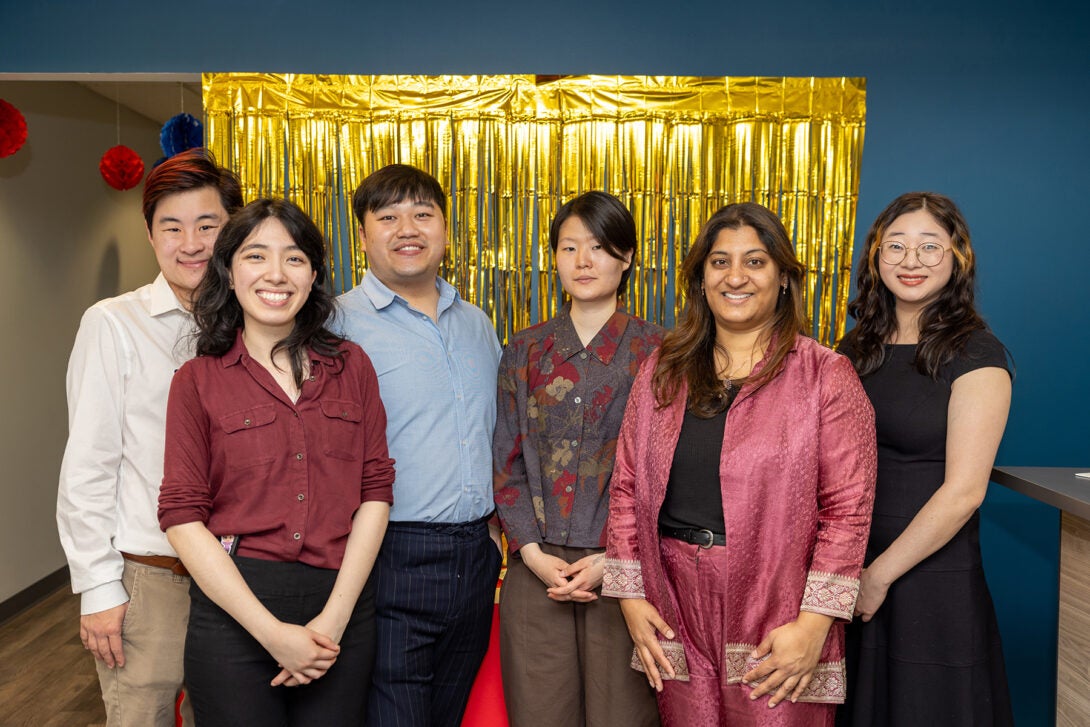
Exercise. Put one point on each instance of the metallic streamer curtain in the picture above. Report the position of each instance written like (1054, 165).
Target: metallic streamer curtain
(510, 150)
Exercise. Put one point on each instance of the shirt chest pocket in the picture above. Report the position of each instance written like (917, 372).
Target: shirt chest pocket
(250, 437)
(341, 434)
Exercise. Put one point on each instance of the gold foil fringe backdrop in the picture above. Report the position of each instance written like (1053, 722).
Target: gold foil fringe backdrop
(510, 150)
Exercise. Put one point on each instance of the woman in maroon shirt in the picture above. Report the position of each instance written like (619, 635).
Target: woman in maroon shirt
(277, 484)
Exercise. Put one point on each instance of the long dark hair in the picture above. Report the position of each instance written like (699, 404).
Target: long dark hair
(945, 323)
(608, 220)
(217, 310)
(688, 351)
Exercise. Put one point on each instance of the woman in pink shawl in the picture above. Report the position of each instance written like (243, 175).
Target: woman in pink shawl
(742, 493)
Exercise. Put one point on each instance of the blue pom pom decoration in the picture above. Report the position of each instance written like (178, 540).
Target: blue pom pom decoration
(181, 132)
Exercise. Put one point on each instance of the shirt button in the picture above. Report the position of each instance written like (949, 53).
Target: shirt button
(246, 422)
(344, 415)
(298, 455)
(301, 497)
(311, 378)
(575, 442)
(563, 533)
(567, 489)
(583, 354)
(578, 400)
(296, 535)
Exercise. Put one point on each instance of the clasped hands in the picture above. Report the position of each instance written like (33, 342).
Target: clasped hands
(789, 653)
(565, 581)
(304, 653)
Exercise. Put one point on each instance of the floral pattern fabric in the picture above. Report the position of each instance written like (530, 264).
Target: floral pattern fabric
(559, 411)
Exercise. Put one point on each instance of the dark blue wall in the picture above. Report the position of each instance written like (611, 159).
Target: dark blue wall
(987, 102)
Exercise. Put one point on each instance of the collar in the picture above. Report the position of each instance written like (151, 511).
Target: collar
(381, 296)
(237, 352)
(163, 299)
(604, 344)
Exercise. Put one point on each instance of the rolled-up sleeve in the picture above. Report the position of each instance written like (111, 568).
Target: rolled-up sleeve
(185, 495)
(378, 469)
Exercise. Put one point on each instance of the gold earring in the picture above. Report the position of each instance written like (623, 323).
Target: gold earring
(784, 291)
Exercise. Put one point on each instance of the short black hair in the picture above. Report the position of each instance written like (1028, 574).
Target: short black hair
(396, 183)
(608, 220)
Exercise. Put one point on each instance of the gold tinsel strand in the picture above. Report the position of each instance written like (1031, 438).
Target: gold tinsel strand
(509, 151)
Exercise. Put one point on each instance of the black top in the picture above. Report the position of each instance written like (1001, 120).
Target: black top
(694, 497)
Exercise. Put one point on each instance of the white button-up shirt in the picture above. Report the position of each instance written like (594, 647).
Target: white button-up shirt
(126, 352)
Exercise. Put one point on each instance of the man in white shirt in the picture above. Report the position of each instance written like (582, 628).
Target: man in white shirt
(134, 591)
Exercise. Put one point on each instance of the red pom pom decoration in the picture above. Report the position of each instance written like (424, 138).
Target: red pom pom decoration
(121, 167)
(12, 129)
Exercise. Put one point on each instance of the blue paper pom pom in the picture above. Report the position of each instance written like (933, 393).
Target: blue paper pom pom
(179, 133)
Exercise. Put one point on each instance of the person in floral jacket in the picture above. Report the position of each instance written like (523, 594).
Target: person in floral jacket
(562, 389)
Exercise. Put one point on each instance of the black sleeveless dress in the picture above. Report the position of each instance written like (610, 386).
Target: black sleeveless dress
(931, 656)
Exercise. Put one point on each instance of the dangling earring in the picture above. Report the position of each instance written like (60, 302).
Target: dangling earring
(702, 290)
(783, 290)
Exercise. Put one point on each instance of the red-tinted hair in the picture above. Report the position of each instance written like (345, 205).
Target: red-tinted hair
(188, 170)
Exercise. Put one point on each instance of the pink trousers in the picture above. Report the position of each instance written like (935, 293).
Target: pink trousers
(696, 577)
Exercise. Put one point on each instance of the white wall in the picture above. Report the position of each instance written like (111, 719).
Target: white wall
(67, 239)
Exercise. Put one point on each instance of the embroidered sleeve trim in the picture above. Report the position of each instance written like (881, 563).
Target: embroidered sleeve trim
(622, 579)
(830, 594)
(827, 683)
(675, 654)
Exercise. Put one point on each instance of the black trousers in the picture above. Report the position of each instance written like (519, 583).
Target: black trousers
(436, 588)
(228, 672)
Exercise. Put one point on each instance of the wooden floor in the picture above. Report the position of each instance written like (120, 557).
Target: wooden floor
(47, 678)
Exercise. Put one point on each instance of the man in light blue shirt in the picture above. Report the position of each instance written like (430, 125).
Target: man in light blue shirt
(436, 356)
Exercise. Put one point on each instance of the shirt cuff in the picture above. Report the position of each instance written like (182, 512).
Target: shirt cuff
(101, 598)
(830, 594)
(622, 579)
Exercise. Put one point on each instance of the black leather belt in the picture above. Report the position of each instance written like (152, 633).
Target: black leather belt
(694, 536)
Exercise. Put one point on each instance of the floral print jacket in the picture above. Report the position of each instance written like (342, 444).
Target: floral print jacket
(559, 410)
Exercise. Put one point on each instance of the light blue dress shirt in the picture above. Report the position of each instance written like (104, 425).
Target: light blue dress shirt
(438, 384)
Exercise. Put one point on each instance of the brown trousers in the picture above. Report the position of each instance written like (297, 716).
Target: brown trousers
(567, 663)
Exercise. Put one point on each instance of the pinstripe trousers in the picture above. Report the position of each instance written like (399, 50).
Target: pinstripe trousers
(436, 588)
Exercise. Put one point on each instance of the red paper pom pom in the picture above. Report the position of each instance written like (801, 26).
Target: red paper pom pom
(121, 167)
(12, 129)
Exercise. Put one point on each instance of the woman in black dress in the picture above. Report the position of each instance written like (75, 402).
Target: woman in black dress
(925, 647)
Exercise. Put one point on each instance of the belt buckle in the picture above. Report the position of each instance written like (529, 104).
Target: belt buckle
(707, 537)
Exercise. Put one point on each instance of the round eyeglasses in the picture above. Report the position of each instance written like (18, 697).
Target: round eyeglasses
(929, 253)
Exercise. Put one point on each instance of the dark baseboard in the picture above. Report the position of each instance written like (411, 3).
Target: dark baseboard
(27, 597)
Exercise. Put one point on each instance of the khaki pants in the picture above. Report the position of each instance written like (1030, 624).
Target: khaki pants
(144, 691)
(567, 663)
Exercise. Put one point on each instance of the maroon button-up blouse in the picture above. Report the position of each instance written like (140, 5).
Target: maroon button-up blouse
(284, 478)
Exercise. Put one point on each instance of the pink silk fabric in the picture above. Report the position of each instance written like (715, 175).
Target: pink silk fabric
(797, 470)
